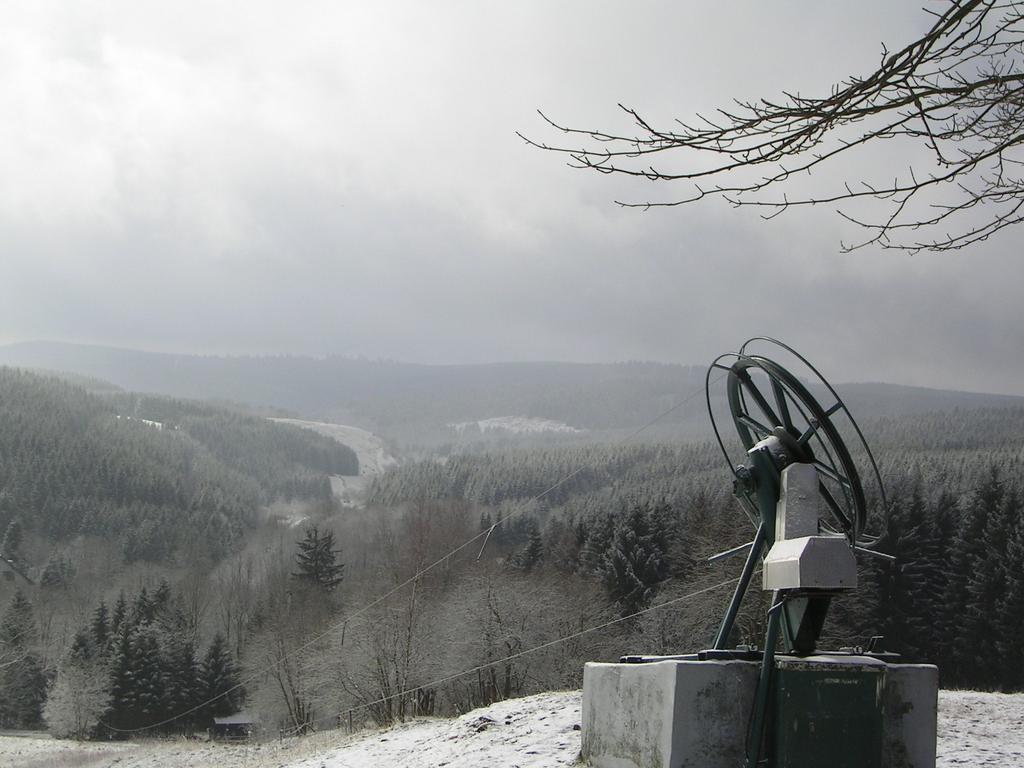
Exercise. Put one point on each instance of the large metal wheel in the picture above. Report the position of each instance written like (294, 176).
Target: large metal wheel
(765, 400)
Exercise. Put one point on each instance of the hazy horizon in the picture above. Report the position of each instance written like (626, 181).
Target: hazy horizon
(701, 365)
(347, 180)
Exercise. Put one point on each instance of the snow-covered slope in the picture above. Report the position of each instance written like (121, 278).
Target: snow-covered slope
(373, 455)
(984, 730)
(514, 425)
(975, 729)
(535, 732)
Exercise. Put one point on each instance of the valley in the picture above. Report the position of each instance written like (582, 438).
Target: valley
(450, 548)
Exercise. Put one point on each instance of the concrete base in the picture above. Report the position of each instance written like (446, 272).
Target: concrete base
(911, 711)
(694, 714)
(667, 714)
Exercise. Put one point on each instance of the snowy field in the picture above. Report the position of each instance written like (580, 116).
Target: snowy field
(514, 425)
(975, 729)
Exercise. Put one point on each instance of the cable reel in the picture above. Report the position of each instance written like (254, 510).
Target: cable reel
(768, 404)
(800, 485)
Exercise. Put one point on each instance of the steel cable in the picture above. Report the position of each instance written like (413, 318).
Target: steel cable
(411, 580)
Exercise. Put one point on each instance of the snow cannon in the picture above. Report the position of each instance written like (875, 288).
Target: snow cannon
(797, 467)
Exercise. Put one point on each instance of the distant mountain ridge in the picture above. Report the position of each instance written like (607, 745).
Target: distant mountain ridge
(416, 403)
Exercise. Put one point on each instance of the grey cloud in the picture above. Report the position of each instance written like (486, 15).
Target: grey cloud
(346, 178)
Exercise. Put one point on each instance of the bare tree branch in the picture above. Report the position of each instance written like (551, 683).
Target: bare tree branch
(958, 91)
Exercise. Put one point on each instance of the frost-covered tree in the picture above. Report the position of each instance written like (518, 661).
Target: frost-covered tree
(79, 694)
(635, 565)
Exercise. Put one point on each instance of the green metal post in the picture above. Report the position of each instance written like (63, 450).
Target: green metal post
(741, 589)
(768, 487)
(764, 480)
(755, 738)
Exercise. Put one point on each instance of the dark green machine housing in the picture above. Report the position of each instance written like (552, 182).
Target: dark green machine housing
(828, 712)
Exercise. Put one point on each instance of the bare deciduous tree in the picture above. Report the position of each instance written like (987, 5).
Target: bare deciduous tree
(290, 644)
(955, 96)
(236, 584)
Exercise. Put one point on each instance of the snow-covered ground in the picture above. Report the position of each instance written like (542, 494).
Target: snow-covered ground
(516, 425)
(981, 729)
(374, 457)
(975, 729)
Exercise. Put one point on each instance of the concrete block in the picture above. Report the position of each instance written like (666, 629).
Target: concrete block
(694, 714)
(911, 715)
(667, 714)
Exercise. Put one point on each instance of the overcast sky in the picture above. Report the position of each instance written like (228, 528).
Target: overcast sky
(343, 177)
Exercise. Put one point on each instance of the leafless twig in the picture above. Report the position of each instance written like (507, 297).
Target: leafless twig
(958, 92)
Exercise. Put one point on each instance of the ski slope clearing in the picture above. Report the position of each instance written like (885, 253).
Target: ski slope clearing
(374, 457)
(514, 425)
(975, 729)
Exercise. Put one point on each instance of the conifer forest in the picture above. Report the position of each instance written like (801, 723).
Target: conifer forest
(169, 561)
(374, 371)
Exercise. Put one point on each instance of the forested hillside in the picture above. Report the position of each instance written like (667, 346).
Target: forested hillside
(153, 473)
(941, 451)
(954, 520)
(434, 596)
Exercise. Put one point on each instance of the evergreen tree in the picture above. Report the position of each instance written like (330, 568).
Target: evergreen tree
(182, 689)
(219, 680)
(317, 560)
(679, 555)
(121, 713)
(58, 572)
(986, 590)
(18, 631)
(13, 536)
(946, 513)
(22, 683)
(100, 627)
(635, 566)
(973, 579)
(594, 554)
(120, 614)
(22, 692)
(906, 605)
(161, 598)
(147, 670)
(530, 555)
(1010, 614)
(143, 609)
